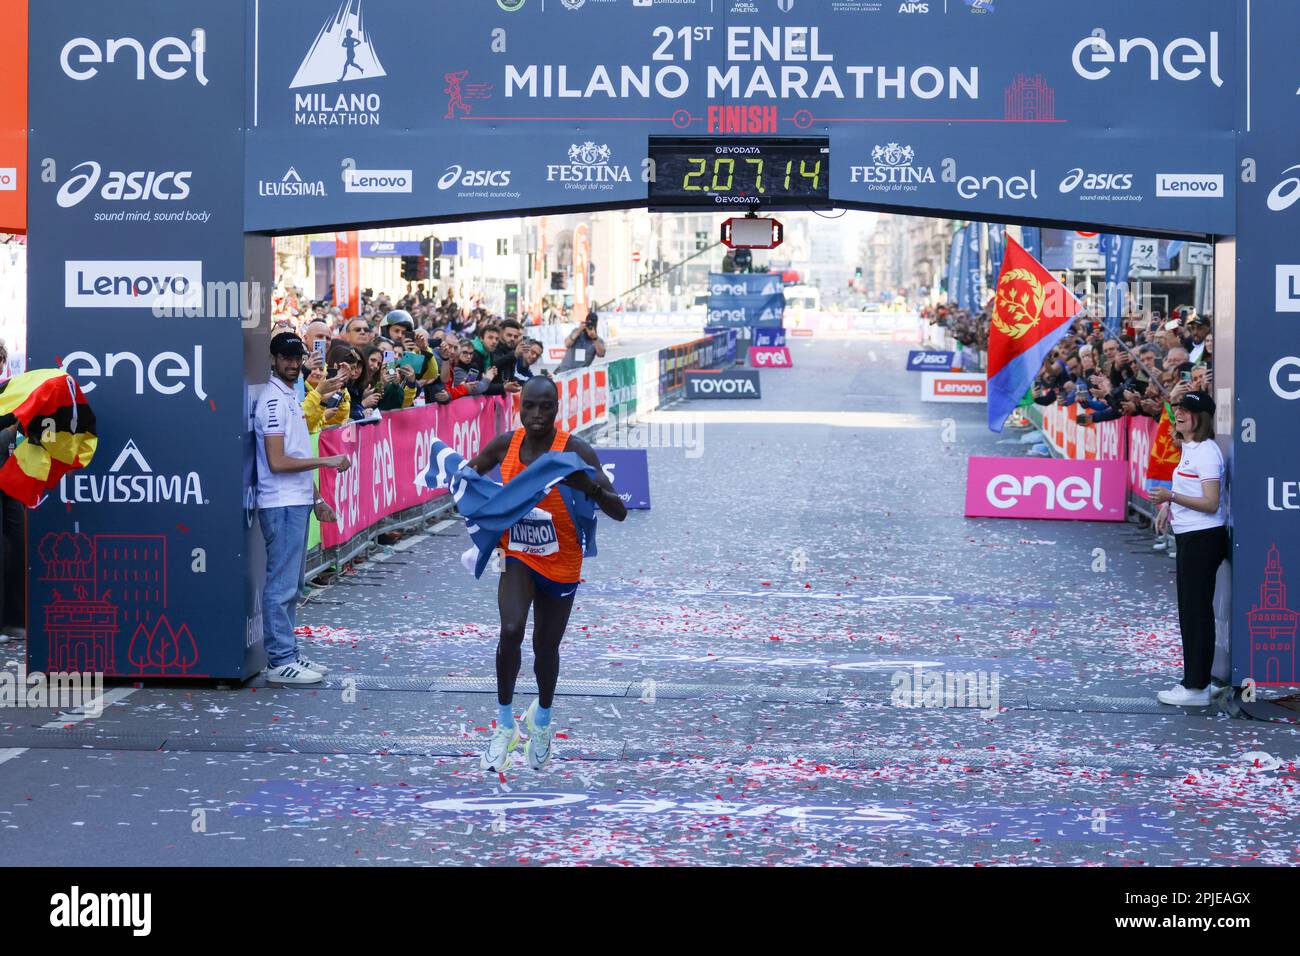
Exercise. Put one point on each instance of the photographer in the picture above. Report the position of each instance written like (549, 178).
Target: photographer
(583, 345)
(1195, 510)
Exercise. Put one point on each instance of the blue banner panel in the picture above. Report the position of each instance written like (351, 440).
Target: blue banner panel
(769, 336)
(629, 472)
(740, 299)
(1264, 467)
(365, 110)
(326, 248)
(724, 383)
(137, 257)
(918, 361)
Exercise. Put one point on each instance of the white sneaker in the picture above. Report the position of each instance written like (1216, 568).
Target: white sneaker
(538, 749)
(1180, 696)
(1160, 545)
(293, 673)
(312, 665)
(497, 755)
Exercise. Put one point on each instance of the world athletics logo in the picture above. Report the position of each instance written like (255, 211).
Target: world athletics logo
(511, 6)
(572, 4)
(980, 6)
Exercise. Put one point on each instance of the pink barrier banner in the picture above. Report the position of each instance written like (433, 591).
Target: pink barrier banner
(1101, 441)
(1046, 488)
(770, 356)
(1141, 436)
(388, 455)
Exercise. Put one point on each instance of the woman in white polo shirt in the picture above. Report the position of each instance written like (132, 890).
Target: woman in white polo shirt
(1195, 509)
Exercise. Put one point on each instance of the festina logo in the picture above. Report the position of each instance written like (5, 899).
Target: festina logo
(892, 164)
(291, 184)
(142, 488)
(589, 163)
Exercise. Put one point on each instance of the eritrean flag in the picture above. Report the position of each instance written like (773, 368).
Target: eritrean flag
(58, 426)
(1031, 312)
(1165, 454)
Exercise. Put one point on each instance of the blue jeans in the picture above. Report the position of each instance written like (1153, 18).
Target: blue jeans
(285, 531)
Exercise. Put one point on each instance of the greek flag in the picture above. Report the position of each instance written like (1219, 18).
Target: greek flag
(491, 508)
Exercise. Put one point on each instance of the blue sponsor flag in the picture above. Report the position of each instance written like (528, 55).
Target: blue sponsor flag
(954, 265)
(491, 508)
(973, 277)
(997, 235)
(963, 257)
(1168, 249)
(1033, 237)
(1118, 251)
(741, 299)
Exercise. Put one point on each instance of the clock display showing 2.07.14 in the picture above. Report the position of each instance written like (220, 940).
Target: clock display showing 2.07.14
(695, 172)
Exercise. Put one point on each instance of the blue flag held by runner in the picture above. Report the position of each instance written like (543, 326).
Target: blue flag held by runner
(491, 508)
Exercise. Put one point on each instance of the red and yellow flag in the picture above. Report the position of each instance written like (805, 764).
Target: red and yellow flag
(1165, 454)
(58, 427)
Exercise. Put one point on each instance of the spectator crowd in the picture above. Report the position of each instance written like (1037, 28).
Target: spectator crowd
(402, 354)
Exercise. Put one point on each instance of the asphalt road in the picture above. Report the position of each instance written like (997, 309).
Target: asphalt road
(728, 687)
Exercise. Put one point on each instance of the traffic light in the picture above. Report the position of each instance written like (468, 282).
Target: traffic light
(557, 281)
(701, 241)
(415, 268)
(435, 268)
(857, 273)
(503, 247)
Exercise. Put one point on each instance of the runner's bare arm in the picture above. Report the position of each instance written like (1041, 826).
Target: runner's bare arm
(599, 488)
(493, 453)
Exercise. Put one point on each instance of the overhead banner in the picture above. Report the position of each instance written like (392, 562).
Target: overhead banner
(525, 103)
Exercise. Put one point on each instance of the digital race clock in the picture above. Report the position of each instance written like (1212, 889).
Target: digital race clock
(698, 172)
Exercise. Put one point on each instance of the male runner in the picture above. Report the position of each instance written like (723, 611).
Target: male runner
(543, 566)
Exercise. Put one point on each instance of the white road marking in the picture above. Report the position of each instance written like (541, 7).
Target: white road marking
(78, 714)
(9, 753)
(411, 542)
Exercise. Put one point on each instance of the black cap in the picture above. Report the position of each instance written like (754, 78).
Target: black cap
(1198, 402)
(287, 344)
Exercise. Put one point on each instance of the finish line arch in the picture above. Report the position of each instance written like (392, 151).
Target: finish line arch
(169, 138)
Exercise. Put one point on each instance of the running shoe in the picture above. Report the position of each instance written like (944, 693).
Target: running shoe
(538, 749)
(1180, 696)
(312, 665)
(497, 755)
(293, 673)
(1160, 545)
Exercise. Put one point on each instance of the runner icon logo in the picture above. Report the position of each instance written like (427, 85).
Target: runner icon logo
(342, 51)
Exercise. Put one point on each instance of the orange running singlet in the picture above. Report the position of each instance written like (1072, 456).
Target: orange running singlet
(545, 539)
